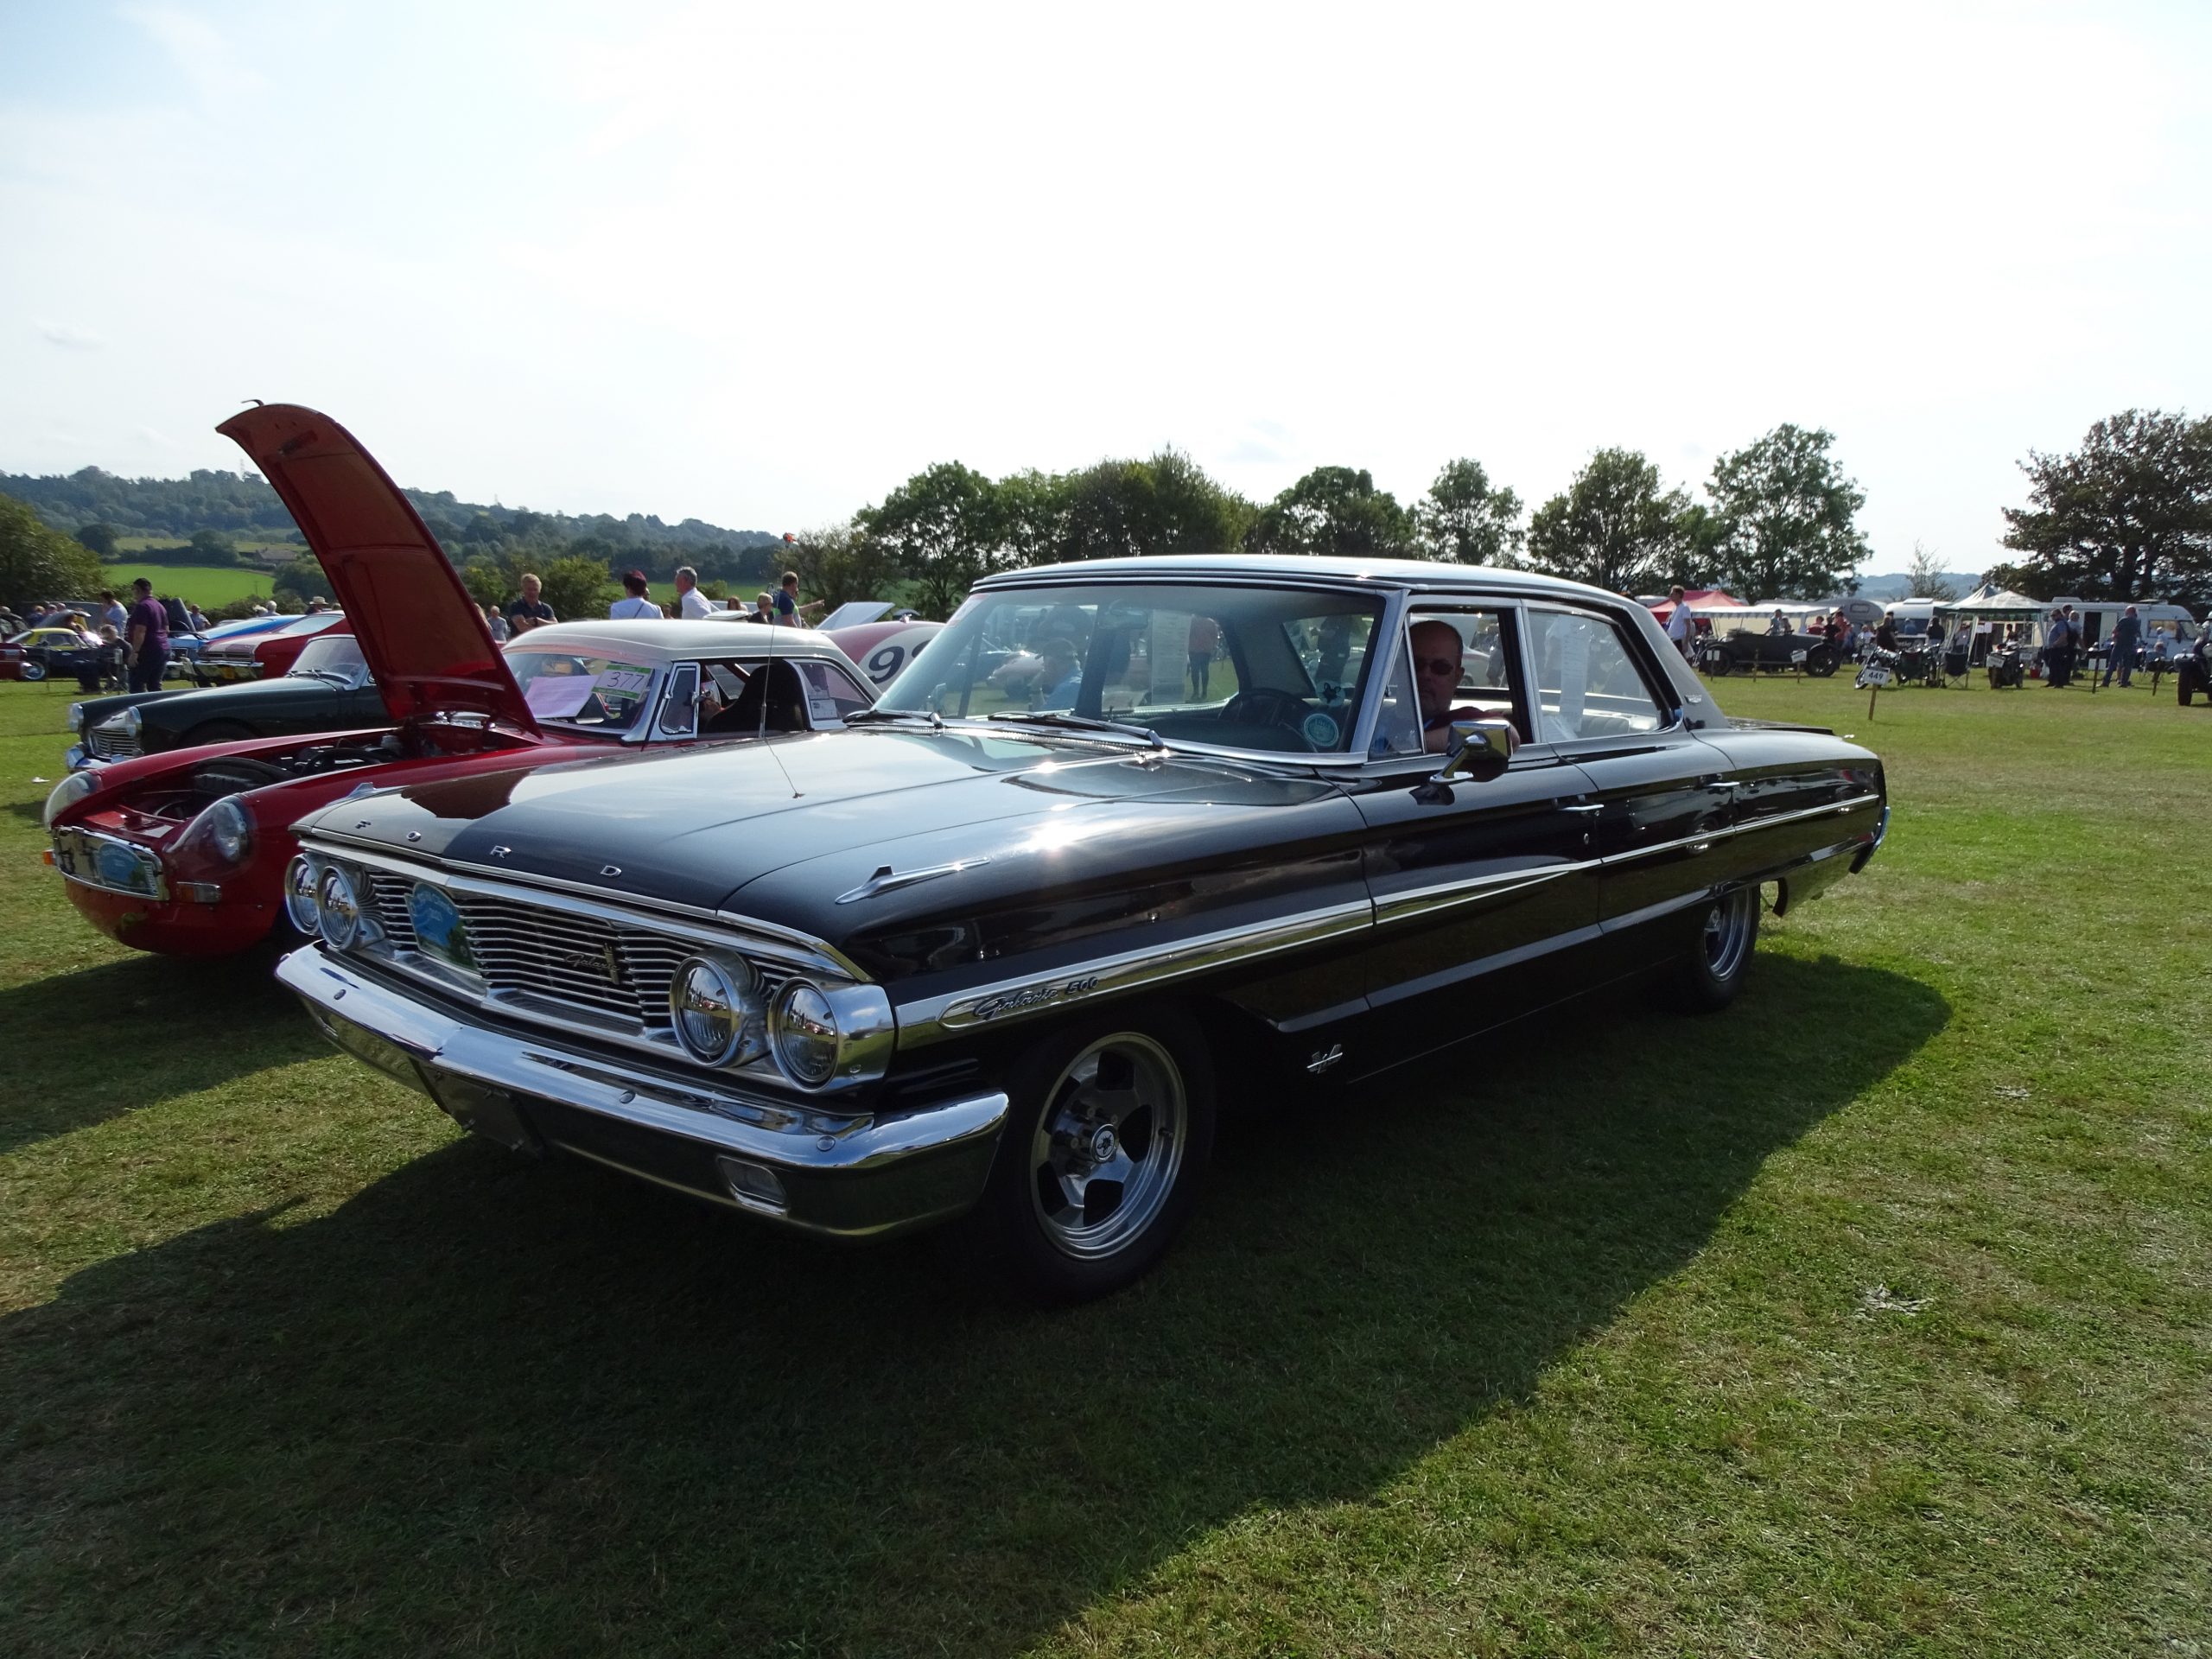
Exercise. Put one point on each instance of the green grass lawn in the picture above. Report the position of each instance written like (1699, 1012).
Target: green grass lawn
(205, 585)
(1872, 1316)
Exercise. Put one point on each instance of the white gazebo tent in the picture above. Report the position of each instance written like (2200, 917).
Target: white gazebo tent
(1989, 609)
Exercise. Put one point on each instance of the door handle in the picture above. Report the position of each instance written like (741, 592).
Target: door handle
(1592, 808)
(1720, 789)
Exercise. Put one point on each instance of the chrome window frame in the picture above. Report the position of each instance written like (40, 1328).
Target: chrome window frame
(1673, 721)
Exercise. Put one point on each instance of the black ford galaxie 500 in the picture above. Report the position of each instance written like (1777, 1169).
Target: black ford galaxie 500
(988, 949)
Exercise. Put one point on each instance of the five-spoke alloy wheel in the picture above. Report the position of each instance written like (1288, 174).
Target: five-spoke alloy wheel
(1111, 1126)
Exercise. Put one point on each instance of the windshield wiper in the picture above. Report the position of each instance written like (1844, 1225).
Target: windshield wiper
(862, 715)
(1079, 723)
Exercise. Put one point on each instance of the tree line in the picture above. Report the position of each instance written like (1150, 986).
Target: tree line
(2126, 516)
(1777, 517)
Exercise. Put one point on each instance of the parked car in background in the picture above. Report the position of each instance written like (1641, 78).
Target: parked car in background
(327, 687)
(881, 648)
(265, 656)
(44, 652)
(185, 851)
(1746, 650)
(988, 950)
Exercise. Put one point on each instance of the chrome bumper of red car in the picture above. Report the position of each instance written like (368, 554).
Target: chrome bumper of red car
(841, 1174)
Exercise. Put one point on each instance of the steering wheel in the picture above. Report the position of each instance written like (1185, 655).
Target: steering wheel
(1263, 706)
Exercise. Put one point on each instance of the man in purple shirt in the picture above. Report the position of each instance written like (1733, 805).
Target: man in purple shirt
(149, 638)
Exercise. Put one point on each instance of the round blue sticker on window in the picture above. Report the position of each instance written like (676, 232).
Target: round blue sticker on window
(1320, 730)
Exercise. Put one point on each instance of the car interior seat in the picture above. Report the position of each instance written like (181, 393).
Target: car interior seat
(777, 688)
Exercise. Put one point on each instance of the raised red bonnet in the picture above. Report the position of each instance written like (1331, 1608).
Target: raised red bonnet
(423, 637)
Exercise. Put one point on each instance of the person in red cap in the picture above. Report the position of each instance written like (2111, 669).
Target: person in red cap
(634, 602)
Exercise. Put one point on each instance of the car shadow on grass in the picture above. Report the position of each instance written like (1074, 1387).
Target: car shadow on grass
(539, 1407)
(106, 1040)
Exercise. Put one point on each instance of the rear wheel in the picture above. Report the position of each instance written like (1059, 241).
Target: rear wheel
(1709, 978)
(1109, 1134)
(32, 670)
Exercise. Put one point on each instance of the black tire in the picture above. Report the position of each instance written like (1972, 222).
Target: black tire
(1058, 1136)
(1708, 977)
(32, 670)
(1820, 662)
(1717, 664)
(217, 731)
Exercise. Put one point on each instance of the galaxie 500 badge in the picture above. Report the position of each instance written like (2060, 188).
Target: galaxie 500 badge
(1021, 999)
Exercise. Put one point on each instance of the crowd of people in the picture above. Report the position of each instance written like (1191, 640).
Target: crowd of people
(130, 643)
(529, 610)
(2065, 642)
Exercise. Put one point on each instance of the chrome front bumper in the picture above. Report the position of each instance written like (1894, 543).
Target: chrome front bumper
(842, 1174)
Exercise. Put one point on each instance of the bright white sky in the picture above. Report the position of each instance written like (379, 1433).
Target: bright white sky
(759, 264)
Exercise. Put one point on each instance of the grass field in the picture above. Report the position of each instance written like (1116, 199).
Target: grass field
(207, 585)
(1873, 1316)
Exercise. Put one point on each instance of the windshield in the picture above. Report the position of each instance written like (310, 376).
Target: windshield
(606, 695)
(1248, 668)
(336, 653)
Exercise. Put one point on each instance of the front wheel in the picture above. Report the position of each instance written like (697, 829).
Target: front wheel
(1110, 1131)
(1820, 662)
(1709, 978)
(1716, 664)
(31, 671)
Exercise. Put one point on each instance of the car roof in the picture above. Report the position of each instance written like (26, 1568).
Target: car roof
(671, 641)
(1410, 574)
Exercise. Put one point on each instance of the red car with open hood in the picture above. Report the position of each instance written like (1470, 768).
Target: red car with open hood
(186, 852)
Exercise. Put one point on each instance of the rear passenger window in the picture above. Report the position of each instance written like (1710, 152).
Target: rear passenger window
(1587, 681)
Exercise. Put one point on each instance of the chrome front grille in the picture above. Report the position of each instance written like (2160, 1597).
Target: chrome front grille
(111, 744)
(581, 963)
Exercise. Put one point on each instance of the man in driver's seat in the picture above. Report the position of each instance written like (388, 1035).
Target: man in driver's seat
(1437, 651)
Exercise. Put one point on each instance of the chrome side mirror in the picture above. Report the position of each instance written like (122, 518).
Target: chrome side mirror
(1480, 746)
(1480, 749)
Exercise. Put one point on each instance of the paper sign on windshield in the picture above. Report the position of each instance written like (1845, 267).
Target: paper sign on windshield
(557, 696)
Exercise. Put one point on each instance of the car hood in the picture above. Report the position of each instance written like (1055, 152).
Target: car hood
(694, 827)
(424, 638)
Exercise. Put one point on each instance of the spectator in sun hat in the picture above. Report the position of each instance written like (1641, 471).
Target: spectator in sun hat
(634, 602)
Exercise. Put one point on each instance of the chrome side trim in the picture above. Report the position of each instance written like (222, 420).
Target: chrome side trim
(794, 949)
(1703, 840)
(1422, 901)
(936, 1018)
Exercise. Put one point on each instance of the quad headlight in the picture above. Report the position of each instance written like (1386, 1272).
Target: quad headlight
(338, 907)
(300, 896)
(803, 1027)
(70, 790)
(713, 1003)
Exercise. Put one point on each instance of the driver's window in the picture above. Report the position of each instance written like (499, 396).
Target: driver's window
(1453, 666)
